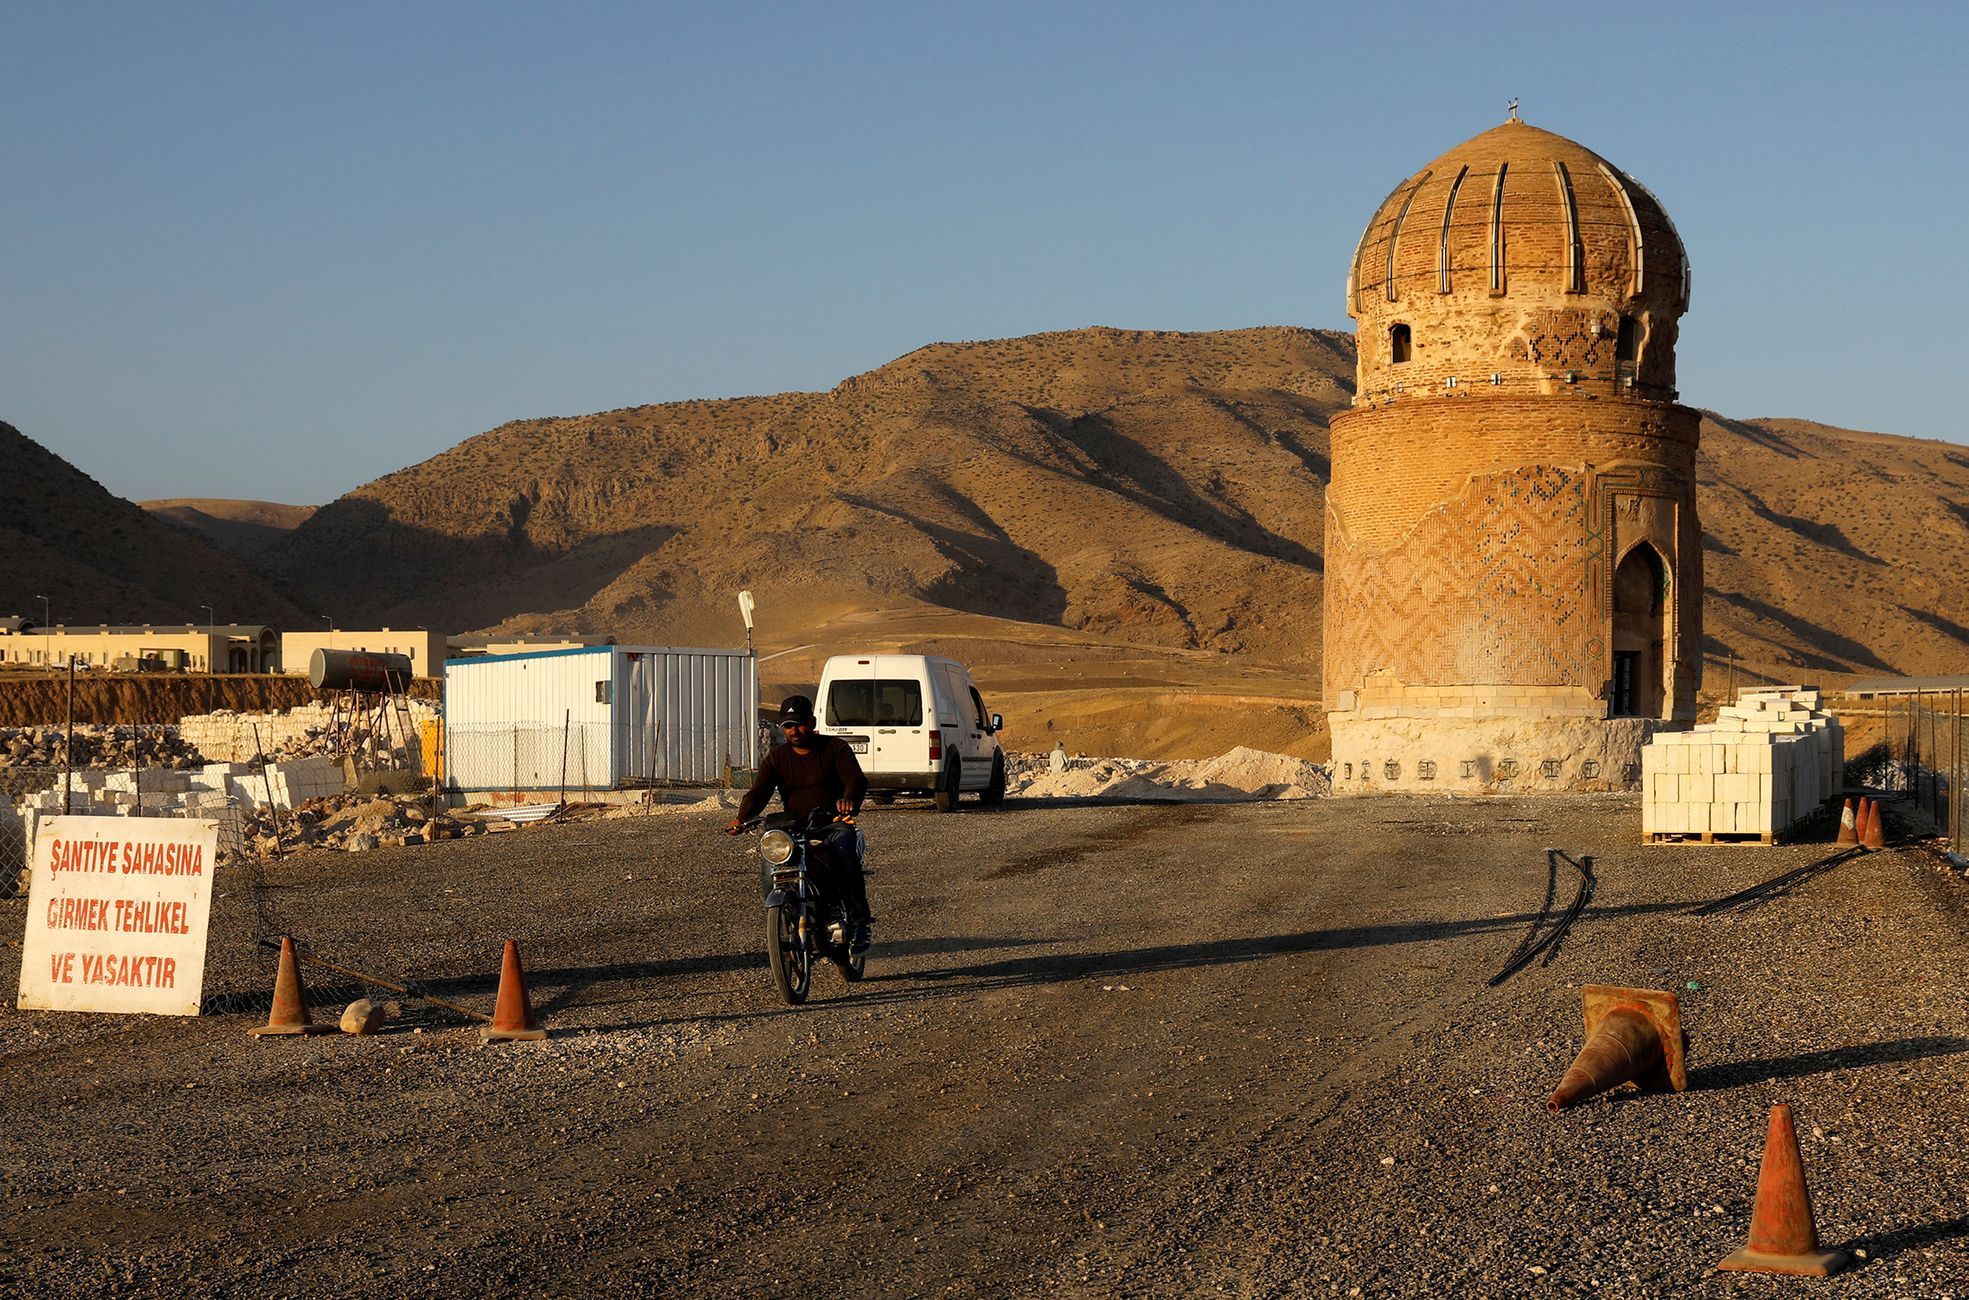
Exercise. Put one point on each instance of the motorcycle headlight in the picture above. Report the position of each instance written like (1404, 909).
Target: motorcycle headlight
(776, 847)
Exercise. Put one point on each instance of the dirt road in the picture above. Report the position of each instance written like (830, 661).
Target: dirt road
(1245, 1050)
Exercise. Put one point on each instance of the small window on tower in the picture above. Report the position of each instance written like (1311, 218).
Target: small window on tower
(1629, 339)
(1398, 344)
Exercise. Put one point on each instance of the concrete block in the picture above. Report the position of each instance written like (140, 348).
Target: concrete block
(1698, 817)
(1723, 817)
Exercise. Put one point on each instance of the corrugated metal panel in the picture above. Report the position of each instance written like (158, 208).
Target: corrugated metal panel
(1905, 685)
(609, 716)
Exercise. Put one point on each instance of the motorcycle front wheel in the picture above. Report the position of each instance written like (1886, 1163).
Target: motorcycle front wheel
(791, 963)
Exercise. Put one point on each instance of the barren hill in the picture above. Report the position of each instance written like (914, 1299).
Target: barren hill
(101, 559)
(1156, 487)
(241, 528)
(1081, 511)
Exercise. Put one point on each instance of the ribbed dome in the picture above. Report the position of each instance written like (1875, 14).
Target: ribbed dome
(1519, 250)
(1558, 198)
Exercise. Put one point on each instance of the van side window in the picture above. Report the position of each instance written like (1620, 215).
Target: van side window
(949, 696)
(977, 703)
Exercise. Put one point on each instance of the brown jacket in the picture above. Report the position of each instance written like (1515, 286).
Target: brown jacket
(816, 779)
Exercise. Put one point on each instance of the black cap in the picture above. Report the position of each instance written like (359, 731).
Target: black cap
(796, 708)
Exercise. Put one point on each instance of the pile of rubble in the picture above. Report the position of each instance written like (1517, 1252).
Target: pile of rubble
(354, 823)
(1237, 776)
(98, 747)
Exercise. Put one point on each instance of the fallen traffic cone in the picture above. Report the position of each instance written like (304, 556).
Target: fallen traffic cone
(1783, 1237)
(289, 1014)
(1849, 827)
(512, 1015)
(1874, 834)
(1632, 1036)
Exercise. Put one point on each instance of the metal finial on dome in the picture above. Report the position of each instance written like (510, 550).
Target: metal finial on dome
(1511, 111)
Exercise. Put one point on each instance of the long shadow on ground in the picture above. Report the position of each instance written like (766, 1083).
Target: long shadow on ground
(1735, 1074)
(1886, 1245)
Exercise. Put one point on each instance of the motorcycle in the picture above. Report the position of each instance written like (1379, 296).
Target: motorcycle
(802, 927)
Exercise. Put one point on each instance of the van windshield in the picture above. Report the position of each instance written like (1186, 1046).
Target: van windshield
(877, 703)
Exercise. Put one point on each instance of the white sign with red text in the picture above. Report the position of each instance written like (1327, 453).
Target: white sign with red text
(116, 914)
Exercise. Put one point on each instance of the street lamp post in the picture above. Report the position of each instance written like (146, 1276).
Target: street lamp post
(47, 623)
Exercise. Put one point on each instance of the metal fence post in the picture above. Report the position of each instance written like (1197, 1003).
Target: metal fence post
(68, 746)
(567, 716)
(273, 812)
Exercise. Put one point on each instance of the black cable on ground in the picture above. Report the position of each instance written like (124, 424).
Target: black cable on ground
(1540, 939)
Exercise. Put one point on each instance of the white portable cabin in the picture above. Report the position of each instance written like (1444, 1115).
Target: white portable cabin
(599, 718)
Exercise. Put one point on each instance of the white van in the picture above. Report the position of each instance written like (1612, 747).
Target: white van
(917, 724)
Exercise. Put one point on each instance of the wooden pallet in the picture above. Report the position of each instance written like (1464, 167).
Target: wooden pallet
(1710, 837)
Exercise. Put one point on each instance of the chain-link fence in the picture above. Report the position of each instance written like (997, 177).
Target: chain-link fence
(1913, 744)
(564, 762)
(144, 770)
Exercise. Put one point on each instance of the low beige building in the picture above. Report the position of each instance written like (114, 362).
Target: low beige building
(425, 649)
(192, 648)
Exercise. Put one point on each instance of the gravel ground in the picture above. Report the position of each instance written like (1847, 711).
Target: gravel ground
(1101, 1050)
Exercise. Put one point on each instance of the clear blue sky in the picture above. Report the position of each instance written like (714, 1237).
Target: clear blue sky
(276, 250)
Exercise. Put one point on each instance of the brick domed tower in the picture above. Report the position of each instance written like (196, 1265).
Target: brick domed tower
(1513, 562)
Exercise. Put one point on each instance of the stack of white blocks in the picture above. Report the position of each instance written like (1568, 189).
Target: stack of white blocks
(286, 783)
(1767, 761)
(100, 793)
(297, 780)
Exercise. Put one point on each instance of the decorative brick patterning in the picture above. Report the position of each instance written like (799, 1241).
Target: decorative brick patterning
(1486, 588)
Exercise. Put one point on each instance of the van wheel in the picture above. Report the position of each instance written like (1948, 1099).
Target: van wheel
(946, 795)
(995, 792)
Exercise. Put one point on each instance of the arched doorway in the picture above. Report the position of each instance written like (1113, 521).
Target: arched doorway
(1640, 602)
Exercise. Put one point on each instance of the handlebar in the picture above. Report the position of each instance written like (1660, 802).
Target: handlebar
(813, 821)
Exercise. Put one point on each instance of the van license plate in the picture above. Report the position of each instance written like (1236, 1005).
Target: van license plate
(858, 746)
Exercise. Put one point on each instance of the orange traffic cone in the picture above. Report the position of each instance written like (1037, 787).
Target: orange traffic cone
(1632, 1036)
(290, 1013)
(1849, 827)
(1783, 1237)
(1860, 820)
(1874, 833)
(512, 1015)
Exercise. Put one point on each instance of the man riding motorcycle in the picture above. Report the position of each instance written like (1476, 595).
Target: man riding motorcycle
(811, 771)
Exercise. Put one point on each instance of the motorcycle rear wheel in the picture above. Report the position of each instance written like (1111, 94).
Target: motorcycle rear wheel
(792, 965)
(852, 967)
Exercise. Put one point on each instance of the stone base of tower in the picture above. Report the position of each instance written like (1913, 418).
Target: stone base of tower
(1508, 755)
